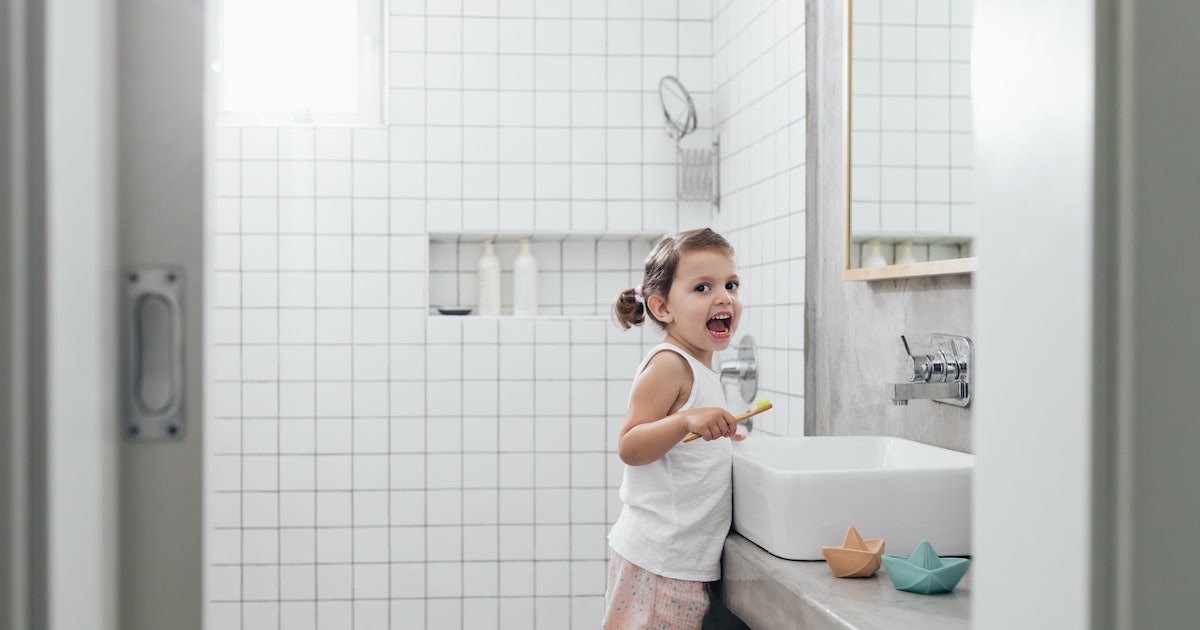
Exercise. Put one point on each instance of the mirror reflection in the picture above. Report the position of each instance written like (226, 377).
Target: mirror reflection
(911, 194)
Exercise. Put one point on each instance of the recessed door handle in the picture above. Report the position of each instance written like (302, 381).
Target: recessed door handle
(153, 382)
(152, 324)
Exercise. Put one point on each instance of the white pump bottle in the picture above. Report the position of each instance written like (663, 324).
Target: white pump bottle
(525, 295)
(487, 278)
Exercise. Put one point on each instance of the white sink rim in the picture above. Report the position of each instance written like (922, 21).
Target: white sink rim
(877, 499)
(947, 459)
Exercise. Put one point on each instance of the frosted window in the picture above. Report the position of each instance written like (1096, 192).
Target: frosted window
(289, 62)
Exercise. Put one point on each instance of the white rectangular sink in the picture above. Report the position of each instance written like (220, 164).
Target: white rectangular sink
(791, 495)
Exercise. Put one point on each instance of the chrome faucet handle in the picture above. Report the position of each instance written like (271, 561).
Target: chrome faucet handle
(921, 367)
(743, 370)
(734, 370)
(912, 362)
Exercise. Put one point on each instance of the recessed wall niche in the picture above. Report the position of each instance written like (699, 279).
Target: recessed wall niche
(578, 273)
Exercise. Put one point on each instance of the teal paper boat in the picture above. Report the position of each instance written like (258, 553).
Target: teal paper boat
(924, 572)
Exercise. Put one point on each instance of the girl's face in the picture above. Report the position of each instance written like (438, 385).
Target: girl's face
(703, 309)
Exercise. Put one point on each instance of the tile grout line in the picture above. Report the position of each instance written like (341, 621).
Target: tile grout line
(499, 384)
(425, 385)
(462, 149)
(353, 353)
(316, 420)
(241, 402)
(390, 307)
(497, 326)
(278, 419)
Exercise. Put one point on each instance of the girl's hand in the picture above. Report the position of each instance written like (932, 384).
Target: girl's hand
(653, 423)
(711, 423)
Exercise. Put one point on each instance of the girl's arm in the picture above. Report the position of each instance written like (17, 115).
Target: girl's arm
(652, 425)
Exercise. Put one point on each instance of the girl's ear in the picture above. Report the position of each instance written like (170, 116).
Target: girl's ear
(658, 307)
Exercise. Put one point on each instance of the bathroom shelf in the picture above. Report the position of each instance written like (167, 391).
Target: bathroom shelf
(515, 236)
(579, 273)
(957, 266)
(573, 317)
(936, 255)
(916, 238)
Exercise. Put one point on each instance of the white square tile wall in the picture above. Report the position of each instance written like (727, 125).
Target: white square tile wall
(759, 109)
(375, 466)
(910, 107)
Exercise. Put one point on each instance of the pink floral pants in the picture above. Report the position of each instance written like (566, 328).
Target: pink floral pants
(637, 599)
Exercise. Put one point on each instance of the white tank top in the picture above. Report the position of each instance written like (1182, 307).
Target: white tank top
(677, 510)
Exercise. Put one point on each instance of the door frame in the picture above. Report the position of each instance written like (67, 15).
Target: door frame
(161, 125)
(102, 133)
(23, 335)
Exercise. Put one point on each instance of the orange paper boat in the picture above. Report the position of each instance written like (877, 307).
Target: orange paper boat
(856, 557)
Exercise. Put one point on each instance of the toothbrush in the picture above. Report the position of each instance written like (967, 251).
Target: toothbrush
(762, 405)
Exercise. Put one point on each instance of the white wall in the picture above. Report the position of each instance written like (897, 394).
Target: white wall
(760, 114)
(82, 425)
(912, 147)
(1033, 435)
(373, 462)
(855, 326)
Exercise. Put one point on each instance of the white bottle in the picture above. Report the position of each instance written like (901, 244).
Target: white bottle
(873, 254)
(525, 294)
(487, 279)
(904, 253)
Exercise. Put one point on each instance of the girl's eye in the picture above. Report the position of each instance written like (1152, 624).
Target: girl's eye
(731, 286)
(703, 287)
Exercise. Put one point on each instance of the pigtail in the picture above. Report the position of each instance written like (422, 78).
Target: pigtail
(628, 310)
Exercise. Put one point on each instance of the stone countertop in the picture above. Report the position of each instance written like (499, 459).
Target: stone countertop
(770, 593)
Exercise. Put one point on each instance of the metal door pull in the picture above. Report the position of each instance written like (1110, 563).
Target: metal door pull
(152, 357)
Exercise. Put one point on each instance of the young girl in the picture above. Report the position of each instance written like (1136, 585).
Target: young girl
(677, 497)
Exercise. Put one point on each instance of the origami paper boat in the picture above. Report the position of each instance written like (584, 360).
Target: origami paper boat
(856, 557)
(924, 572)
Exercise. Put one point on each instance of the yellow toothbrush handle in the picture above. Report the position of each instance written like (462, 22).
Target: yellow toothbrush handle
(750, 414)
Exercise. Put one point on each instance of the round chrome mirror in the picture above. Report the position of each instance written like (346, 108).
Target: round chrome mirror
(679, 112)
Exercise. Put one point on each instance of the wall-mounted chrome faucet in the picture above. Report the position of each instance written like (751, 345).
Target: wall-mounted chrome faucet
(743, 370)
(941, 374)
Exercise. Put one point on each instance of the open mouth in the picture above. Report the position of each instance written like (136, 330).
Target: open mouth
(719, 325)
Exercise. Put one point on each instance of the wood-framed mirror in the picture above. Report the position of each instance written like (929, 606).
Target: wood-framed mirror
(910, 209)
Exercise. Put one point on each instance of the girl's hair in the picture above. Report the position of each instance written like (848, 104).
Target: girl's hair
(629, 309)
